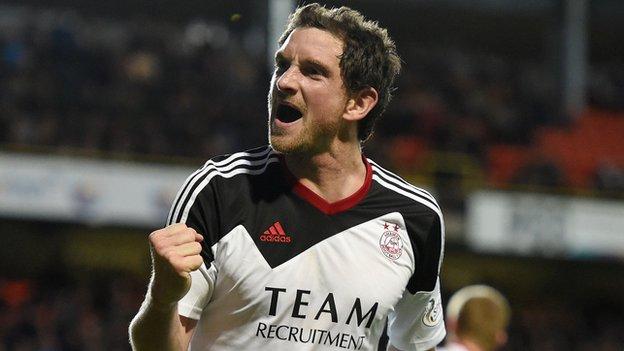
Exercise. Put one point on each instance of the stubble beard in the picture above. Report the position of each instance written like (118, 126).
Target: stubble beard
(310, 139)
(281, 141)
(284, 143)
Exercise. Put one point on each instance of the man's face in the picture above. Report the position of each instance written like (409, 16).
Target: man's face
(307, 97)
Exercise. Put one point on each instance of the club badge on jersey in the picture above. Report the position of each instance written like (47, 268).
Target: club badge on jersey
(390, 242)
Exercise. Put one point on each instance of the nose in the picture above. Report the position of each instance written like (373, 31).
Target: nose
(287, 81)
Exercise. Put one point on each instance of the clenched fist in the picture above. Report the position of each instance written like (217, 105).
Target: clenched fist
(175, 254)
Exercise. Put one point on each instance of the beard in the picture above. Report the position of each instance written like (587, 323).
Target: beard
(308, 139)
(304, 141)
(311, 136)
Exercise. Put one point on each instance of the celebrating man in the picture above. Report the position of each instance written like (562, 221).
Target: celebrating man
(304, 244)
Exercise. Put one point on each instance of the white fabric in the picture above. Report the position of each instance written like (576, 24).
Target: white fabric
(347, 265)
(417, 324)
(202, 286)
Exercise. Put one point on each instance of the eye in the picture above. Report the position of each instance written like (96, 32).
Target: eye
(312, 72)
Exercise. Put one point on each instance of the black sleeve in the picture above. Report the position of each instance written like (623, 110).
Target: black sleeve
(428, 260)
(204, 218)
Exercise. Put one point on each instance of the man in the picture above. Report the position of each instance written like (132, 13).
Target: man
(477, 317)
(304, 244)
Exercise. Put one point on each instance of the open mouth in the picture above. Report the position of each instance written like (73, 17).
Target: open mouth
(287, 114)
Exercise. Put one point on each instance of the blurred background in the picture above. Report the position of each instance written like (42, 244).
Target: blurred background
(511, 113)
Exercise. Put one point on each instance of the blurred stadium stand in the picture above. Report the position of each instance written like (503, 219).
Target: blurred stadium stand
(94, 94)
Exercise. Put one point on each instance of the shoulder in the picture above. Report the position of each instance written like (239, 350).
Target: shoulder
(423, 221)
(399, 188)
(220, 175)
(250, 162)
(240, 162)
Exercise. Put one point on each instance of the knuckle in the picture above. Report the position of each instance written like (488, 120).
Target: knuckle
(154, 236)
(177, 226)
(182, 234)
(190, 232)
(188, 237)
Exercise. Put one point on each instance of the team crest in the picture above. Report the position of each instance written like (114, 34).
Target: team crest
(390, 242)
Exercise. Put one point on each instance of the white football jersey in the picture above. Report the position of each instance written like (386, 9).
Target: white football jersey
(286, 270)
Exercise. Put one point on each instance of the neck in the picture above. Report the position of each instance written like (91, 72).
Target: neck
(333, 175)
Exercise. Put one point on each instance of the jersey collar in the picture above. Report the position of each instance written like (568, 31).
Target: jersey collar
(329, 208)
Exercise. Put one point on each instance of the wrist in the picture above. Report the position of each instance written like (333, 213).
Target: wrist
(158, 303)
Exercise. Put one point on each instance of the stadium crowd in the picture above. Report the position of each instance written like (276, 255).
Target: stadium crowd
(197, 90)
(45, 315)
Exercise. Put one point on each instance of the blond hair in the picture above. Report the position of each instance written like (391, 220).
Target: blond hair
(481, 314)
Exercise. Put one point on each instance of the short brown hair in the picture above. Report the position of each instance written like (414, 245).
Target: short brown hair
(369, 57)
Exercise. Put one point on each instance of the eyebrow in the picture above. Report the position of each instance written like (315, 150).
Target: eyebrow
(279, 57)
(318, 65)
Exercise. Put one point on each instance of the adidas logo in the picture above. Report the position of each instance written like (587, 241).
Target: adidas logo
(275, 233)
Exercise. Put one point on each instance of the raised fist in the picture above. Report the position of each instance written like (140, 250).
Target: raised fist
(175, 254)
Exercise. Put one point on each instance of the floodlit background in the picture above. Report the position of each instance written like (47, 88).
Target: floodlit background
(511, 113)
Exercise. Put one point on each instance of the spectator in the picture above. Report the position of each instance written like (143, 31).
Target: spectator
(477, 317)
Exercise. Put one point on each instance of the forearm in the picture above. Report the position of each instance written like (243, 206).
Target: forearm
(175, 253)
(157, 327)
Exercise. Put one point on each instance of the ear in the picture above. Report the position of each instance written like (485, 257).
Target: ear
(360, 104)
